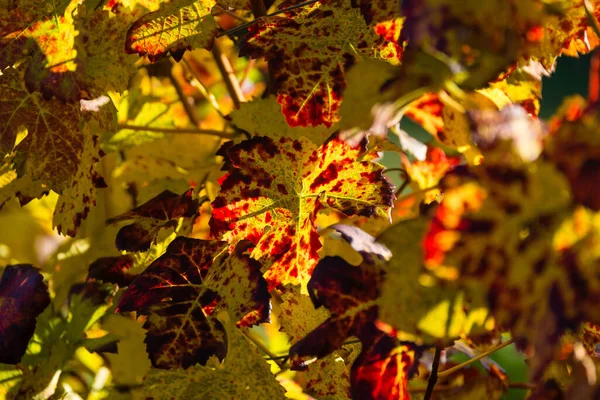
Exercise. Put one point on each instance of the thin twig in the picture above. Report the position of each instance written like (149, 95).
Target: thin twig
(189, 110)
(196, 82)
(233, 86)
(446, 388)
(194, 131)
(249, 67)
(452, 370)
(433, 377)
(262, 347)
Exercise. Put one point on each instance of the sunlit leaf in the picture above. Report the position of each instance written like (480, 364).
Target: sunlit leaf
(58, 152)
(177, 26)
(180, 292)
(275, 189)
(309, 74)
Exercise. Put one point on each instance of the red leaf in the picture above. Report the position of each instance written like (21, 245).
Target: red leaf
(23, 296)
(382, 369)
(309, 76)
(275, 190)
(113, 270)
(182, 291)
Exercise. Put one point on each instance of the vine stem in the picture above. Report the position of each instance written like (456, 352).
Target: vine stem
(446, 388)
(433, 377)
(233, 85)
(189, 109)
(194, 131)
(452, 370)
(261, 346)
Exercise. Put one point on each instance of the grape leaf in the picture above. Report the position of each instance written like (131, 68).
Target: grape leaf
(590, 338)
(23, 296)
(426, 174)
(180, 292)
(243, 374)
(504, 228)
(575, 148)
(113, 269)
(69, 58)
(57, 337)
(54, 147)
(275, 189)
(130, 350)
(161, 212)
(442, 311)
(427, 112)
(469, 32)
(309, 73)
(365, 81)
(297, 314)
(379, 10)
(263, 117)
(177, 26)
(350, 294)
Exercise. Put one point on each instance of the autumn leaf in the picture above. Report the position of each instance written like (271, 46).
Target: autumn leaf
(443, 312)
(469, 32)
(177, 26)
(262, 117)
(113, 269)
(69, 59)
(243, 374)
(293, 305)
(504, 228)
(275, 189)
(180, 291)
(57, 337)
(23, 296)
(309, 74)
(350, 293)
(382, 368)
(575, 148)
(161, 212)
(51, 146)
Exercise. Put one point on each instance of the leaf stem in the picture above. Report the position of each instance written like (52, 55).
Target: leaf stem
(194, 131)
(476, 358)
(189, 110)
(233, 85)
(433, 377)
(263, 348)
